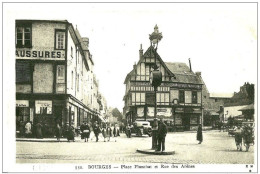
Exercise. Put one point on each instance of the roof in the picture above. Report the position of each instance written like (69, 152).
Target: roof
(37, 20)
(221, 95)
(182, 73)
(249, 107)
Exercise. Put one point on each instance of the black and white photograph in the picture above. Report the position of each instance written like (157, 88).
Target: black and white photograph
(129, 87)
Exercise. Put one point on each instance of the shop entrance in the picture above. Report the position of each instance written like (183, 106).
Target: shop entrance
(186, 122)
(57, 114)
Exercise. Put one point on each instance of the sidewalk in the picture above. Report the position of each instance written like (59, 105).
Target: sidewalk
(45, 139)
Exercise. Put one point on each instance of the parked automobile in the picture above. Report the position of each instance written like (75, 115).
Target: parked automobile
(141, 128)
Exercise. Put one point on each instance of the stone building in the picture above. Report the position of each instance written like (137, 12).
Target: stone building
(178, 82)
(53, 72)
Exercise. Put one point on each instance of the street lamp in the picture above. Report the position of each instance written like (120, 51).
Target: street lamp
(155, 78)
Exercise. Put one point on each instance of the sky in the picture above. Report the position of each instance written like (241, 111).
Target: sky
(219, 38)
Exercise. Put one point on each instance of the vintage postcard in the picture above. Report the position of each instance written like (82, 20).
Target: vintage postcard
(130, 87)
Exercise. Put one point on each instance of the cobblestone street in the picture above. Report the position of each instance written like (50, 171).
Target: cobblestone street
(217, 148)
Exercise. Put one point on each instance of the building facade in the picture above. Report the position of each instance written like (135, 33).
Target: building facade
(53, 68)
(178, 83)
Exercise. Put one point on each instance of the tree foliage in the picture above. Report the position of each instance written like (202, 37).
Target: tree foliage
(116, 113)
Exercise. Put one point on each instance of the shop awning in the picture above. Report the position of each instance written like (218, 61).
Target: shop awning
(249, 107)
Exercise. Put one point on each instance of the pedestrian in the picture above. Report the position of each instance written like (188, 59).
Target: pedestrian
(116, 131)
(247, 136)
(71, 133)
(162, 131)
(38, 130)
(65, 130)
(238, 137)
(155, 134)
(128, 131)
(58, 132)
(104, 131)
(28, 129)
(85, 131)
(21, 129)
(199, 134)
(109, 132)
(96, 130)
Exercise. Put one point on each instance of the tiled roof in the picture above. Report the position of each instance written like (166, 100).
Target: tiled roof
(182, 73)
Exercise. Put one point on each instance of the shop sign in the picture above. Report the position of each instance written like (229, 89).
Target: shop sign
(41, 53)
(22, 103)
(140, 112)
(43, 106)
(167, 112)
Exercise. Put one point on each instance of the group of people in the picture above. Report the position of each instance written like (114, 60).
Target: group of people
(86, 129)
(28, 130)
(244, 134)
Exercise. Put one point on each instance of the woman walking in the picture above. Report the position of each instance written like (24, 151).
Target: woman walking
(104, 131)
(199, 134)
(116, 131)
(71, 133)
(109, 132)
(85, 129)
(58, 132)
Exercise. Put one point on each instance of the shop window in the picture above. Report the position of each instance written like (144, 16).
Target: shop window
(22, 113)
(194, 97)
(23, 74)
(23, 35)
(60, 39)
(181, 96)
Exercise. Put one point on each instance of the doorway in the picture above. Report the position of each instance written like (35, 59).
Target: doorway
(186, 122)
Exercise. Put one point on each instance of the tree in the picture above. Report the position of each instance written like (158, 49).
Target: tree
(116, 113)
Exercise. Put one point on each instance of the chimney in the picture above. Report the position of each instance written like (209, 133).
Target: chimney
(198, 74)
(85, 41)
(190, 65)
(141, 52)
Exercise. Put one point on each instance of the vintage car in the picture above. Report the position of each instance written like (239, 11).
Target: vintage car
(141, 128)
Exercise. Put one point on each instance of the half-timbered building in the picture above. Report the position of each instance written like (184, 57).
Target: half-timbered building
(179, 83)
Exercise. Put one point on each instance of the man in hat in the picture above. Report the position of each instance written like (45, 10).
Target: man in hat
(96, 130)
(162, 131)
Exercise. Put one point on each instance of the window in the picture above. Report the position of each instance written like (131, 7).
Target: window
(23, 74)
(78, 83)
(163, 98)
(60, 40)
(194, 97)
(60, 74)
(71, 52)
(23, 35)
(181, 96)
(71, 79)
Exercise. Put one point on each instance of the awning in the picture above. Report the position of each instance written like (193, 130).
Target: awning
(249, 107)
